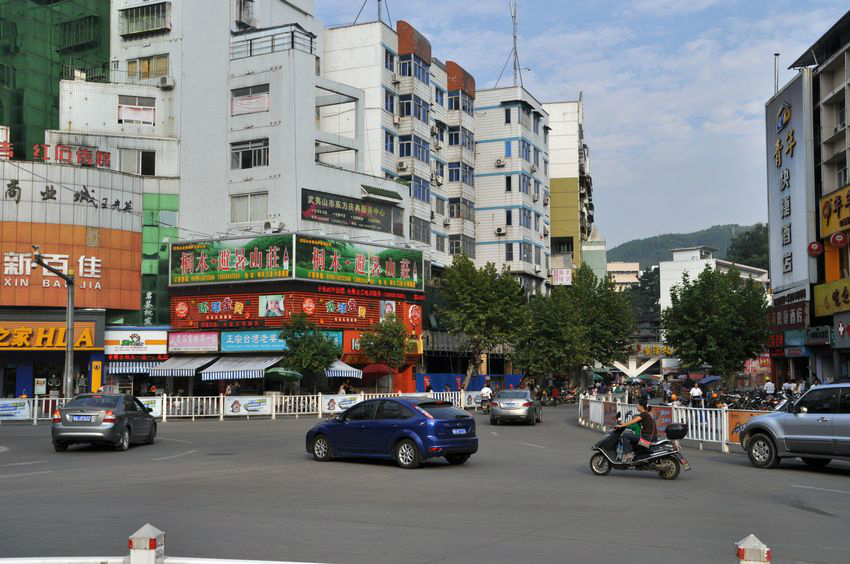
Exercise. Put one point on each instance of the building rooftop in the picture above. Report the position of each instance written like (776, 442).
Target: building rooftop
(828, 44)
(699, 248)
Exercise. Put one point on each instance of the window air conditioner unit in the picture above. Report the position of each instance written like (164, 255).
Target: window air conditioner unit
(166, 83)
(434, 131)
(438, 145)
(500, 163)
(537, 268)
(545, 231)
(447, 222)
(533, 168)
(535, 197)
(545, 200)
(272, 226)
(395, 79)
(401, 165)
(439, 180)
(397, 120)
(501, 231)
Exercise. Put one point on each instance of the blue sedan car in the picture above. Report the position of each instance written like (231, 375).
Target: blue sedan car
(408, 430)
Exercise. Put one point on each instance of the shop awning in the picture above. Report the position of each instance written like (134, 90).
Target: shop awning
(181, 366)
(342, 370)
(131, 366)
(239, 367)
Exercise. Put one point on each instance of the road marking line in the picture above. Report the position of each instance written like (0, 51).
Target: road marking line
(532, 445)
(175, 440)
(3, 449)
(23, 463)
(175, 455)
(495, 434)
(820, 489)
(27, 474)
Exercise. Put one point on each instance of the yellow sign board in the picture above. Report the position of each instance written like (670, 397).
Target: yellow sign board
(96, 374)
(835, 212)
(832, 297)
(45, 336)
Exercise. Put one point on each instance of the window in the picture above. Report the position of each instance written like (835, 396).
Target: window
(536, 156)
(562, 245)
(525, 218)
(507, 115)
(405, 146)
(100, 402)
(461, 208)
(537, 222)
(454, 172)
(467, 139)
(249, 99)
(421, 149)
(147, 67)
(389, 101)
(420, 230)
(144, 19)
(444, 410)
(389, 60)
(393, 410)
(536, 122)
(454, 135)
(421, 189)
(546, 167)
(509, 217)
(545, 135)
(136, 109)
(405, 105)
(439, 96)
(421, 70)
(440, 206)
(135, 161)
(509, 252)
(508, 187)
(525, 150)
(818, 400)
(439, 168)
(249, 154)
(524, 117)
(454, 100)
(246, 208)
(78, 33)
(524, 183)
(841, 173)
(441, 132)
(844, 404)
(507, 149)
(130, 405)
(389, 142)
(440, 243)
(421, 109)
(7, 76)
(536, 189)
(467, 174)
(459, 100)
(462, 244)
(537, 256)
(404, 65)
(525, 252)
(362, 411)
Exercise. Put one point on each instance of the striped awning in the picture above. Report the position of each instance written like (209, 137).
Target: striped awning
(239, 367)
(342, 370)
(131, 366)
(181, 366)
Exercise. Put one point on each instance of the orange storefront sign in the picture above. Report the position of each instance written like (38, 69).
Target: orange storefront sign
(45, 336)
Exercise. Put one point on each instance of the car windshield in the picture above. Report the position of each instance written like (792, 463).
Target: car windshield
(97, 402)
(516, 394)
(443, 410)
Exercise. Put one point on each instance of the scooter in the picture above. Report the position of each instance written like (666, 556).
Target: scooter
(663, 457)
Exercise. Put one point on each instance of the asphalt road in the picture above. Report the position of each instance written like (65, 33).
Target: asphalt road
(247, 489)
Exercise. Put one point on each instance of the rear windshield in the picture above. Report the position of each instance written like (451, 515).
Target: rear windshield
(512, 394)
(443, 410)
(97, 402)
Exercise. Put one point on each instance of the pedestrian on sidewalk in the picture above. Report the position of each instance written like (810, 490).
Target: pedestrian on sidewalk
(696, 396)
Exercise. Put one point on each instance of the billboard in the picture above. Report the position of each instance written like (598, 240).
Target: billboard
(790, 184)
(351, 212)
(246, 259)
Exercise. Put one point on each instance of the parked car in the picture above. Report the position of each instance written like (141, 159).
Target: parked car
(815, 428)
(408, 430)
(516, 405)
(113, 419)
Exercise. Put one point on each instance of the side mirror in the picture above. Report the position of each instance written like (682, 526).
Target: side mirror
(149, 409)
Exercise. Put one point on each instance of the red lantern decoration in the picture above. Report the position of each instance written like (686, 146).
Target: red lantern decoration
(815, 249)
(839, 240)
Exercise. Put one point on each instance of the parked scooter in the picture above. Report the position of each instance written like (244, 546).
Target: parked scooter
(662, 456)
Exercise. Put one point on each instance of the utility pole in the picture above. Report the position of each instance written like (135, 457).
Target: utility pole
(775, 73)
(68, 377)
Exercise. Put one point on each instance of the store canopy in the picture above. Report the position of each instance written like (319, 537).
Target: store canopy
(239, 367)
(181, 366)
(280, 373)
(131, 366)
(342, 370)
(377, 370)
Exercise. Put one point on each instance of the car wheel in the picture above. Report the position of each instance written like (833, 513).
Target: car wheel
(669, 468)
(152, 435)
(124, 440)
(60, 447)
(817, 462)
(493, 421)
(599, 464)
(540, 417)
(457, 459)
(407, 455)
(321, 448)
(533, 420)
(762, 452)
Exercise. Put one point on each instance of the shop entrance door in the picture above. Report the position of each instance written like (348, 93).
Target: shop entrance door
(7, 380)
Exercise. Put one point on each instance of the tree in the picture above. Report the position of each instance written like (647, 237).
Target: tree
(481, 307)
(719, 319)
(308, 351)
(644, 297)
(385, 342)
(750, 247)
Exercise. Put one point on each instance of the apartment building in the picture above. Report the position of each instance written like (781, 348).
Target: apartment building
(624, 274)
(512, 202)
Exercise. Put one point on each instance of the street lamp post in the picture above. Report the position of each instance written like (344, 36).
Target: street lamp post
(68, 378)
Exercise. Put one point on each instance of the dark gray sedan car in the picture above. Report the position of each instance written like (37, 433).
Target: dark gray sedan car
(113, 419)
(516, 405)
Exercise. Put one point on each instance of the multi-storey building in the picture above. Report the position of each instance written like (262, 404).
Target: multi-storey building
(512, 202)
(624, 274)
(571, 183)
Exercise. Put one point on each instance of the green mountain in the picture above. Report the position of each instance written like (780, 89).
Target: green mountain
(652, 250)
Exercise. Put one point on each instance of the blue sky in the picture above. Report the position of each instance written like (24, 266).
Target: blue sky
(674, 90)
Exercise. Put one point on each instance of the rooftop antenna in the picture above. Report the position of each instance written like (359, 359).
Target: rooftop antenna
(775, 73)
(517, 70)
(379, 11)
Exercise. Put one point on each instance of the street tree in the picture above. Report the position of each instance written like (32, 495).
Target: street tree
(750, 247)
(718, 319)
(385, 342)
(308, 351)
(644, 297)
(481, 306)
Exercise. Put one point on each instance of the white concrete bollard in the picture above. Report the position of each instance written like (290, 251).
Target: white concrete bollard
(751, 550)
(147, 545)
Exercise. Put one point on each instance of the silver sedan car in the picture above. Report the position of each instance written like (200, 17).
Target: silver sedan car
(515, 405)
(113, 419)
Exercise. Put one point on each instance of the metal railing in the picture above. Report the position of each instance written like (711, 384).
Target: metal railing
(109, 75)
(285, 38)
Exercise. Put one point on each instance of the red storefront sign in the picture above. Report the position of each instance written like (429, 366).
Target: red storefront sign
(788, 316)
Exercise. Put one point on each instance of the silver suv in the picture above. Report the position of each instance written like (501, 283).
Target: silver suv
(816, 429)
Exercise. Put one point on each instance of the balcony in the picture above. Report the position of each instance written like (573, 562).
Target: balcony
(284, 38)
(145, 20)
(104, 74)
(81, 33)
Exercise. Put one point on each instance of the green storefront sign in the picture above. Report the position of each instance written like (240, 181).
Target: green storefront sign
(249, 259)
(327, 260)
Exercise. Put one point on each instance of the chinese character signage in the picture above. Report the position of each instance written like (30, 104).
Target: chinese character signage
(562, 276)
(351, 212)
(348, 262)
(652, 349)
(46, 336)
(788, 316)
(257, 259)
(135, 342)
(832, 297)
(790, 184)
(835, 212)
(193, 341)
(242, 341)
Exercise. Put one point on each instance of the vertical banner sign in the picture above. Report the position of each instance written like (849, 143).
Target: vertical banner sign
(96, 373)
(790, 184)
(255, 259)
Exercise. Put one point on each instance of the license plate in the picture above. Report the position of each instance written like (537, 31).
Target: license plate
(684, 462)
(459, 431)
(510, 405)
(81, 418)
